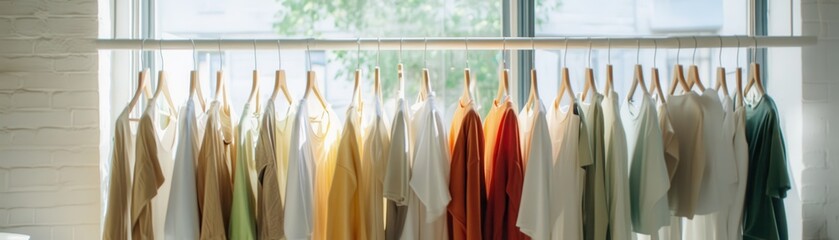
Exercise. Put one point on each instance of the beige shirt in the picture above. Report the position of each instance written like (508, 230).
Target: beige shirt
(148, 176)
(374, 156)
(117, 214)
(269, 208)
(216, 198)
(687, 116)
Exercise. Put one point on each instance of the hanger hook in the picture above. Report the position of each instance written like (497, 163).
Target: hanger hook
(425, 52)
(194, 60)
(378, 49)
(638, 52)
(693, 58)
(254, 55)
(466, 42)
(142, 52)
(308, 55)
(565, 53)
(533, 52)
(609, 50)
(358, 53)
(279, 56)
(400, 49)
(162, 62)
(588, 64)
(720, 55)
(754, 53)
(738, 50)
(504, 51)
(655, 52)
(678, 49)
(221, 56)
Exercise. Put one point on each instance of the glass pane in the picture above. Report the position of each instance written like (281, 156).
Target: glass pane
(263, 19)
(631, 18)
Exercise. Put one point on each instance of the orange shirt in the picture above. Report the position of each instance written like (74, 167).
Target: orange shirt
(466, 185)
(507, 179)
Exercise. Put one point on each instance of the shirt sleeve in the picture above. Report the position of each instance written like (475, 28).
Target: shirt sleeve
(778, 182)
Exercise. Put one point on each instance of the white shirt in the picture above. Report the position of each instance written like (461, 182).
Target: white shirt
(648, 177)
(299, 217)
(617, 184)
(741, 155)
(535, 212)
(567, 175)
(182, 218)
(429, 182)
(720, 170)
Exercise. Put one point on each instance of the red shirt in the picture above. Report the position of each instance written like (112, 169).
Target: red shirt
(506, 181)
(466, 184)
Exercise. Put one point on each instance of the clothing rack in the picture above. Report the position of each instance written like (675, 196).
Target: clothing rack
(459, 43)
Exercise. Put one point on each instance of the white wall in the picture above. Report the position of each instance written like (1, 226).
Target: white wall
(820, 100)
(49, 123)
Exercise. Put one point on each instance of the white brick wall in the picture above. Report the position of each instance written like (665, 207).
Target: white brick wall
(820, 98)
(49, 127)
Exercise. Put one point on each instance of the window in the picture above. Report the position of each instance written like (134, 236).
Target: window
(226, 19)
(630, 18)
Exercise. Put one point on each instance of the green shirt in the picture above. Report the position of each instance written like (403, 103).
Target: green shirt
(595, 214)
(768, 179)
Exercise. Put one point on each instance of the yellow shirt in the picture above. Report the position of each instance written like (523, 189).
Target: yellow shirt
(325, 133)
(346, 220)
(374, 158)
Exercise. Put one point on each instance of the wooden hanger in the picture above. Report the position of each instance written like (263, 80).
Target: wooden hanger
(142, 87)
(401, 80)
(721, 84)
(739, 78)
(693, 78)
(194, 81)
(219, 74)
(425, 84)
(504, 77)
(754, 75)
(589, 75)
(656, 85)
(565, 83)
(534, 90)
(467, 78)
(254, 95)
(311, 82)
(693, 71)
(280, 80)
(609, 76)
(721, 81)
(678, 74)
(377, 84)
(534, 86)
(638, 79)
(162, 87)
(356, 95)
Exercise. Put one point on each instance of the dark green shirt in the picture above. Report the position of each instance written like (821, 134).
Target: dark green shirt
(768, 179)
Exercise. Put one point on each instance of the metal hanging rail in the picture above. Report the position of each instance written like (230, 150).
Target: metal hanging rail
(485, 43)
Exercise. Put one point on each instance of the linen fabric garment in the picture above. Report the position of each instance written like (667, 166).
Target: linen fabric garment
(348, 193)
(375, 159)
(167, 132)
(687, 116)
(299, 218)
(117, 224)
(148, 175)
(671, 156)
(182, 215)
(648, 177)
(765, 216)
(216, 198)
(734, 215)
(571, 153)
(616, 170)
(536, 212)
(269, 203)
(505, 187)
(720, 169)
(243, 212)
(595, 213)
(395, 186)
(467, 186)
(326, 131)
(426, 217)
